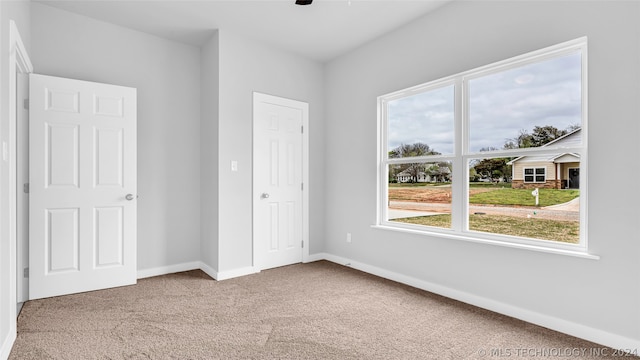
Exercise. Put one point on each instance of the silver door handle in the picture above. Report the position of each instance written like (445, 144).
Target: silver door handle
(129, 197)
(264, 196)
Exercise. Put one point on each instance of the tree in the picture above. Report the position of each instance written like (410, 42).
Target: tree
(573, 127)
(495, 169)
(545, 134)
(540, 136)
(473, 174)
(490, 148)
(410, 150)
(523, 140)
(440, 171)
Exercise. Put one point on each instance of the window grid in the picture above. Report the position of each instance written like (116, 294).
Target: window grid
(534, 174)
(462, 154)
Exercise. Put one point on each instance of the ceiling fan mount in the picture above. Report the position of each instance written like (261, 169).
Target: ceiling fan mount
(304, 2)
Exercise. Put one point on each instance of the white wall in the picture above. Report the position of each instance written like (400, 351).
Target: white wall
(19, 12)
(596, 299)
(209, 153)
(167, 76)
(247, 66)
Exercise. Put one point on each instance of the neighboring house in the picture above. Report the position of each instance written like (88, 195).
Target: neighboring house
(407, 176)
(440, 174)
(557, 171)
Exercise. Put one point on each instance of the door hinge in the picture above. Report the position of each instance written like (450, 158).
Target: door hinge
(301, 186)
(302, 129)
(25, 104)
(302, 243)
(25, 188)
(25, 272)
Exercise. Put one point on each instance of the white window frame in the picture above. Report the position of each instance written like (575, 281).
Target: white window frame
(462, 155)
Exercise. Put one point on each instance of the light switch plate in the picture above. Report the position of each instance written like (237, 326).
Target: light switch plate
(234, 165)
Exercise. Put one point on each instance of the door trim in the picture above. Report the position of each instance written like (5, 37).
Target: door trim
(261, 97)
(22, 194)
(19, 62)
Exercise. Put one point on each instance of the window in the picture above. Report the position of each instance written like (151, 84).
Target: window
(491, 154)
(535, 175)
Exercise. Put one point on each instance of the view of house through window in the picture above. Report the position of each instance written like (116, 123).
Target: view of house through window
(515, 141)
(420, 189)
(421, 127)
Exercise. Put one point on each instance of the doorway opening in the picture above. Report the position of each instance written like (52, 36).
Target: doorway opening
(574, 178)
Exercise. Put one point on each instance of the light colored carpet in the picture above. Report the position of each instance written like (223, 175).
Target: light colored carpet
(307, 311)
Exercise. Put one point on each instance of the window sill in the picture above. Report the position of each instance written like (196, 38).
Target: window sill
(545, 249)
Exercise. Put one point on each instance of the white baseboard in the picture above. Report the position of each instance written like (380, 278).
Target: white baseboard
(170, 269)
(224, 275)
(7, 344)
(316, 257)
(209, 270)
(578, 330)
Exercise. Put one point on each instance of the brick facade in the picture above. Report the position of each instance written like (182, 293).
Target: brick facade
(549, 184)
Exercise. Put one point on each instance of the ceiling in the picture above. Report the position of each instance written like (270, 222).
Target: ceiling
(320, 31)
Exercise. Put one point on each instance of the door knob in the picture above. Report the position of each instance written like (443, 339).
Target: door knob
(264, 196)
(129, 197)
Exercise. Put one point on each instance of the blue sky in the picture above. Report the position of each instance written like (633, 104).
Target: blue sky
(501, 104)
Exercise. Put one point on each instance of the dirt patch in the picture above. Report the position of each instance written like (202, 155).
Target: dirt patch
(427, 194)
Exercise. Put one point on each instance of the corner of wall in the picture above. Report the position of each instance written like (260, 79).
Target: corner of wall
(209, 92)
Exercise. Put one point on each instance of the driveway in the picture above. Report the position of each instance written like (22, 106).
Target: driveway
(573, 205)
(403, 214)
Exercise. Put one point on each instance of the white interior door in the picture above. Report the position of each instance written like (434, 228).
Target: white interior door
(277, 181)
(82, 171)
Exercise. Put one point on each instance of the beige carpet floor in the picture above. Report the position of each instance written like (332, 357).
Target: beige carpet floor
(307, 311)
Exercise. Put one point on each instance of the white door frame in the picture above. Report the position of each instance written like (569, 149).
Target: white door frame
(260, 97)
(19, 62)
(22, 194)
(21, 65)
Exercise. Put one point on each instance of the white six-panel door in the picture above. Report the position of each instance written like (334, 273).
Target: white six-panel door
(277, 181)
(82, 171)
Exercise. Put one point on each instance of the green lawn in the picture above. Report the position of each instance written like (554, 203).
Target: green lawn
(478, 184)
(420, 184)
(523, 197)
(563, 231)
(481, 194)
(489, 185)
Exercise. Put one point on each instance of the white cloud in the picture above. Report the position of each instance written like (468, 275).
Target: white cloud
(501, 105)
(504, 103)
(425, 117)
